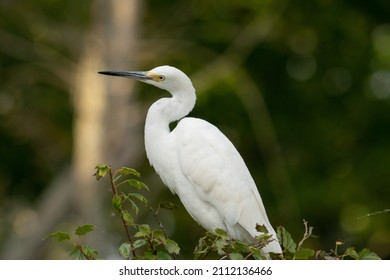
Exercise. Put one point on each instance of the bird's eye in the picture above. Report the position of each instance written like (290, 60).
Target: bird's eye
(160, 78)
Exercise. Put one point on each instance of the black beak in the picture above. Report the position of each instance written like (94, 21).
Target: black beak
(138, 75)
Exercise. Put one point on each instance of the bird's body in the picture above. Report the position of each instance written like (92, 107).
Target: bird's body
(199, 163)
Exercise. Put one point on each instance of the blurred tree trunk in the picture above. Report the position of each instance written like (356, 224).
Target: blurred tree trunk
(106, 130)
(104, 123)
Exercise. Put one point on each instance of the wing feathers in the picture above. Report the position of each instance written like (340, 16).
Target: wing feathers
(219, 175)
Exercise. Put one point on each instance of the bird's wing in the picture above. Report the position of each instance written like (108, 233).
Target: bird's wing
(219, 175)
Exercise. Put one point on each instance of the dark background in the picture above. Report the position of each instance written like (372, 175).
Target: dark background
(302, 88)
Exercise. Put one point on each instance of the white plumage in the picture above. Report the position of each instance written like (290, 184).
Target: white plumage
(198, 162)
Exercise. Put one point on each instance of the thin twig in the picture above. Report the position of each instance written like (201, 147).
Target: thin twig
(155, 214)
(374, 213)
(306, 235)
(115, 192)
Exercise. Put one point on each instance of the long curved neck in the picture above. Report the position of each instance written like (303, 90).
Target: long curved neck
(160, 115)
(167, 110)
(158, 143)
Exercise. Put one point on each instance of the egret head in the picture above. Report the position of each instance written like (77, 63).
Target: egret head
(165, 77)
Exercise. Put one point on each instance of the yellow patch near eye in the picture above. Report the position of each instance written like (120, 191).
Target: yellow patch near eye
(155, 77)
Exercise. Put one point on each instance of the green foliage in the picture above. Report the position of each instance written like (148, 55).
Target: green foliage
(296, 252)
(83, 252)
(128, 171)
(59, 235)
(79, 251)
(144, 242)
(220, 245)
(83, 230)
(101, 171)
(348, 254)
(286, 240)
(154, 244)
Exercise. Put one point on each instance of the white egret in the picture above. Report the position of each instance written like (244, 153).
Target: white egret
(198, 162)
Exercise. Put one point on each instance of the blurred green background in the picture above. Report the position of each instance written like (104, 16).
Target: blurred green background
(302, 88)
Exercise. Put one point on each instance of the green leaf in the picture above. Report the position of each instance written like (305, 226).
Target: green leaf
(137, 184)
(59, 235)
(76, 254)
(101, 171)
(172, 247)
(263, 239)
(128, 171)
(256, 253)
(140, 197)
(366, 254)
(221, 232)
(83, 253)
(159, 235)
(168, 205)
(125, 250)
(210, 235)
(286, 240)
(220, 246)
(82, 230)
(304, 254)
(236, 256)
(261, 228)
(351, 252)
(134, 206)
(143, 230)
(161, 255)
(149, 256)
(240, 246)
(89, 252)
(127, 217)
(139, 243)
(117, 202)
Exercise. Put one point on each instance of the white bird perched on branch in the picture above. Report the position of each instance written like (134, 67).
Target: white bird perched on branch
(198, 162)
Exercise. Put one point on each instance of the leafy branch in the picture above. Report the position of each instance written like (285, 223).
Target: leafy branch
(154, 243)
(297, 252)
(119, 197)
(79, 251)
(227, 248)
(144, 242)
